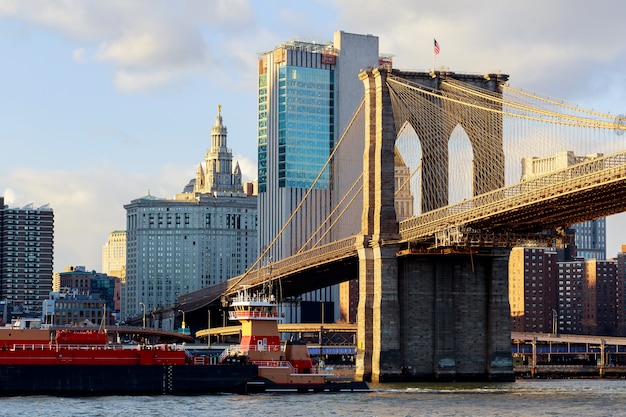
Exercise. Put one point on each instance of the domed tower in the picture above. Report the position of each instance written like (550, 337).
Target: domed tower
(218, 174)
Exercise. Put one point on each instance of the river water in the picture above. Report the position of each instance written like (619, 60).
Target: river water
(573, 397)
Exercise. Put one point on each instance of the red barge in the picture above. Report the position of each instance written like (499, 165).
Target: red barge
(75, 363)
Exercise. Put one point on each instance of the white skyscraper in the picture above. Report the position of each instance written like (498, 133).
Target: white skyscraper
(203, 236)
(114, 255)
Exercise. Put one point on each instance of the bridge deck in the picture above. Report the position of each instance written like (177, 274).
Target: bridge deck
(582, 192)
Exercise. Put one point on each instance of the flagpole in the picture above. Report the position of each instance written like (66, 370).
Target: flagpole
(435, 52)
(434, 57)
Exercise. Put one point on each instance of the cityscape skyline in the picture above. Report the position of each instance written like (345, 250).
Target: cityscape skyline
(104, 102)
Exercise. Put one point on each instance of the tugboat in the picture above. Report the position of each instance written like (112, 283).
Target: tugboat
(280, 368)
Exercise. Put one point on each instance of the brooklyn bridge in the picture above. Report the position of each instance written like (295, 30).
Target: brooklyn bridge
(426, 219)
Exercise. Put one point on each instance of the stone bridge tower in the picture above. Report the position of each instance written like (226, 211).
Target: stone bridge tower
(418, 315)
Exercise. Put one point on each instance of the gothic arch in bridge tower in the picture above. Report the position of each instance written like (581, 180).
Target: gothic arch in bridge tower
(434, 123)
(460, 165)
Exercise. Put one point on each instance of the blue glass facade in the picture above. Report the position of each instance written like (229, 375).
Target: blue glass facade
(305, 126)
(590, 239)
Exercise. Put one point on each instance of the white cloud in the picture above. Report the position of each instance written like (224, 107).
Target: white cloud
(87, 205)
(9, 196)
(552, 47)
(141, 80)
(158, 37)
(78, 54)
(8, 7)
(130, 50)
(154, 45)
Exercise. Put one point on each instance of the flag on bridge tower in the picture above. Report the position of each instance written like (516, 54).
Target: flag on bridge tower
(435, 52)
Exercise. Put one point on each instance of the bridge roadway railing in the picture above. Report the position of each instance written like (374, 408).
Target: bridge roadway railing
(424, 227)
(577, 177)
(333, 251)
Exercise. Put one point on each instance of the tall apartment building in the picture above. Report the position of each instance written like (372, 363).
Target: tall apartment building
(577, 296)
(114, 255)
(201, 237)
(620, 293)
(587, 297)
(590, 237)
(602, 287)
(532, 289)
(26, 257)
(573, 287)
(308, 93)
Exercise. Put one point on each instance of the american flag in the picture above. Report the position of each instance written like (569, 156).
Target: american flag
(436, 48)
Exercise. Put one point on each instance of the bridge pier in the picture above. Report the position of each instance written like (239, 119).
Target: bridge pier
(455, 317)
(378, 344)
(378, 317)
(434, 317)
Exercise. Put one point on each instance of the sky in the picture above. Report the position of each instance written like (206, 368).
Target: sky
(103, 102)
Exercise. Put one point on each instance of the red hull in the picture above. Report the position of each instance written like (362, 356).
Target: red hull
(91, 355)
(72, 337)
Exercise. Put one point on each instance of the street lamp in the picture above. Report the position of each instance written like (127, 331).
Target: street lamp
(321, 361)
(208, 337)
(555, 320)
(143, 322)
(183, 325)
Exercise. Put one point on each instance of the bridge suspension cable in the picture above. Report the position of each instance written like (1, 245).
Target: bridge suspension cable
(338, 206)
(256, 264)
(517, 108)
(477, 123)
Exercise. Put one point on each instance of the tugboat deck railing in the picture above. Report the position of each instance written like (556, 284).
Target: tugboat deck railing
(63, 346)
(246, 314)
(244, 297)
(275, 364)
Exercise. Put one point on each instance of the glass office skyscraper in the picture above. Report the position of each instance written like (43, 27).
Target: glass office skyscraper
(590, 239)
(308, 93)
(305, 126)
